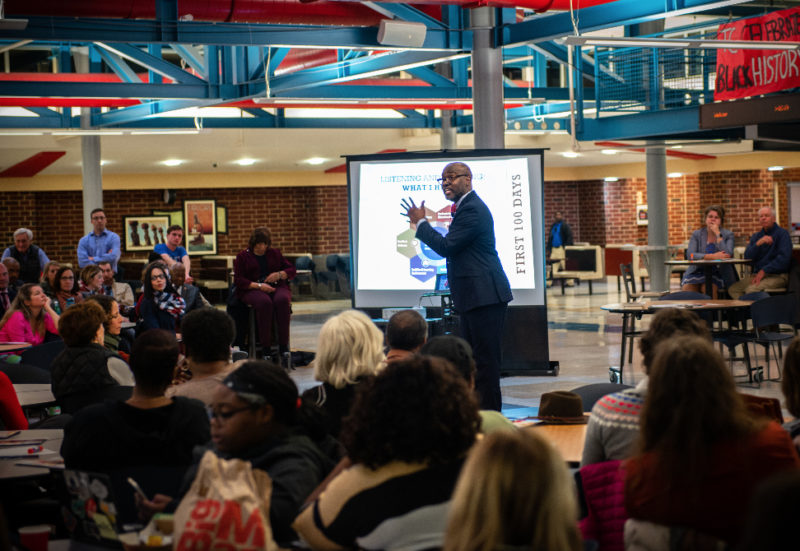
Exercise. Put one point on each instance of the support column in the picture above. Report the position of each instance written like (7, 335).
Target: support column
(487, 83)
(90, 155)
(449, 139)
(658, 222)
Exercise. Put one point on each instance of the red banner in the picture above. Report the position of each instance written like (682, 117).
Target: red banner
(742, 73)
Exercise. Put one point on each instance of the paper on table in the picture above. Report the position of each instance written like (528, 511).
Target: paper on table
(24, 451)
(47, 463)
(21, 442)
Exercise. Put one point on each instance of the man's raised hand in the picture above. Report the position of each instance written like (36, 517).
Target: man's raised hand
(415, 213)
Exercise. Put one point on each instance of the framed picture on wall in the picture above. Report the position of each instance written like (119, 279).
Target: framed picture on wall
(222, 220)
(175, 216)
(200, 226)
(641, 215)
(142, 233)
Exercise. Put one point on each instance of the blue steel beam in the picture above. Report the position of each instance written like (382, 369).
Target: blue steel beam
(43, 112)
(152, 63)
(622, 12)
(192, 56)
(119, 66)
(140, 31)
(344, 71)
(652, 124)
(144, 111)
(431, 77)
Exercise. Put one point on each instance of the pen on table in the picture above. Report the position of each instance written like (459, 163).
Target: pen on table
(35, 449)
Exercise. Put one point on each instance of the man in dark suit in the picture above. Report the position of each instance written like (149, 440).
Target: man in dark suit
(478, 285)
(191, 295)
(7, 294)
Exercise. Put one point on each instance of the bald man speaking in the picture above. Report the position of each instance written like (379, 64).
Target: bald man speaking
(478, 285)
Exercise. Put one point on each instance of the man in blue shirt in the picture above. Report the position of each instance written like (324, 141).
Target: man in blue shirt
(771, 252)
(100, 244)
(172, 252)
(30, 257)
(558, 237)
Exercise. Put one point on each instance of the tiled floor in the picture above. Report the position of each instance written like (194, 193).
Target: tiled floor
(584, 339)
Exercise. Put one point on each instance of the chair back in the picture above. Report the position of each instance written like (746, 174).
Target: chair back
(590, 394)
(777, 310)
(630, 282)
(304, 263)
(684, 295)
(42, 355)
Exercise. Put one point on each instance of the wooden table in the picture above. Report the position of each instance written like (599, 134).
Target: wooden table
(6, 347)
(568, 439)
(53, 437)
(34, 394)
(708, 266)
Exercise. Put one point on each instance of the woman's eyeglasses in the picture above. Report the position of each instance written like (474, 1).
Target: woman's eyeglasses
(223, 416)
(156, 277)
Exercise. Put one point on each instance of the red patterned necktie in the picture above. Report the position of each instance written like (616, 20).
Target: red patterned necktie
(453, 209)
(4, 299)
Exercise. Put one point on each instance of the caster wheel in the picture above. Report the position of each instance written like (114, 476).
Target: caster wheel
(613, 375)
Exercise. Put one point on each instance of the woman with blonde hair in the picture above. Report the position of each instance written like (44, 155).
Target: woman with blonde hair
(48, 281)
(349, 349)
(514, 492)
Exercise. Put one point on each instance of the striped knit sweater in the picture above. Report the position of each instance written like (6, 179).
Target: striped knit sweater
(614, 425)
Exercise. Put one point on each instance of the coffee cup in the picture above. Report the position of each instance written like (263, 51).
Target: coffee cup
(35, 538)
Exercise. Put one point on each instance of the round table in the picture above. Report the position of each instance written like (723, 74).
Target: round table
(708, 266)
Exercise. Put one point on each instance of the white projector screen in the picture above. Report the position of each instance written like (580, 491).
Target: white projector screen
(391, 268)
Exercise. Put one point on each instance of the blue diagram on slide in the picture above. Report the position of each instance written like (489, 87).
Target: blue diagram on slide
(424, 263)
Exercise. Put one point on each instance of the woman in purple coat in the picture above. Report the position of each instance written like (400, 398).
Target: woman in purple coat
(261, 276)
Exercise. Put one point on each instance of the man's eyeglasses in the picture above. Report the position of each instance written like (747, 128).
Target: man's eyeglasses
(450, 178)
(156, 277)
(223, 416)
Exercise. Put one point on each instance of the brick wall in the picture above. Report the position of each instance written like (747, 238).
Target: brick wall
(307, 219)
(315, 219)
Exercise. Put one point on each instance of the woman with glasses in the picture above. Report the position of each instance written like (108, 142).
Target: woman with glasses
(91, 280)
(256, 415)
(160, 306)
(146, 429)
(65, 289)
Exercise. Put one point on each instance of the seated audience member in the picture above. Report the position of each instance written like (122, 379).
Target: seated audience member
(349, 349)
(48, 280)
(458, 352)
(261, 275)
(514, 492)
(13, 273)
(172, 252)
(30, 257)
(65, 290)
(207, 334)
(85, 372)
(122, 292)
(91, 280)
(700, 453)
(147, 429)
(408, 434)
(7, 293)
(790, 386)
(112, 326)
(406, 332)
(770, 249)
(11, 415)
(710, 243)
(191, 295)
(774, 509)
(614, 424)
(160, 306)
(257, 416)
(29, 318)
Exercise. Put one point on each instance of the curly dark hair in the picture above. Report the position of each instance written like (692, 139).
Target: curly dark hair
(417, 410)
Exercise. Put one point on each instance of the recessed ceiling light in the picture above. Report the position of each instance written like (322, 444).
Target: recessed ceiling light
(675, 147)
(570, 154)
(674, 175)
(315, 161)
(610, 179)
(609, 151)
(172, 162)
(245, 162)
(775, 168)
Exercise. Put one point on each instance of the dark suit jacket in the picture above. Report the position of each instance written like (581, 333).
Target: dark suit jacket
(191, 295)
(474, 272)
(11, 294)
